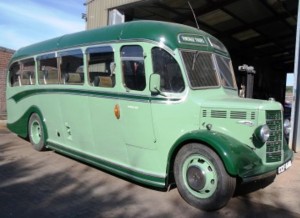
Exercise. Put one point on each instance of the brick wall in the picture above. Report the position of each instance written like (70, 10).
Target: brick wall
(5, 55)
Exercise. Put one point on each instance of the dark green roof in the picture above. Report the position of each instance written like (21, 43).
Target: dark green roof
(136, 30)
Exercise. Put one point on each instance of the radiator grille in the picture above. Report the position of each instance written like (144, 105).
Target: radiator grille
(274, 143)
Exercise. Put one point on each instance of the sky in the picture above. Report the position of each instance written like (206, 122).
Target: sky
(24, 22)
(290, 79)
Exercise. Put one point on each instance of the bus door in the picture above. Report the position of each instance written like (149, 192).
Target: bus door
(106, 130)
(135, 108)
(74, 131)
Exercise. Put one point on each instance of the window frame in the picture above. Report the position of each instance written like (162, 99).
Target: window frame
(179, 66)
(31, 59)
(142, 58)
(12, 82)
(63, 77)
(47, 56)
(21, 71)
(107, 81)
(221, 74)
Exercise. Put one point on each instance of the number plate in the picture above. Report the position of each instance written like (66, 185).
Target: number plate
(284, 167)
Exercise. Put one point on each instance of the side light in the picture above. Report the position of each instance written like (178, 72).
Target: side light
(262, 133)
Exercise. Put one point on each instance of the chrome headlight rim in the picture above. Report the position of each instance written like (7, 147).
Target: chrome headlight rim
(287, 126)
(262, 133)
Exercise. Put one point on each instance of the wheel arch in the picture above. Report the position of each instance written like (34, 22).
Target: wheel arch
(20, 127)
(236, 156)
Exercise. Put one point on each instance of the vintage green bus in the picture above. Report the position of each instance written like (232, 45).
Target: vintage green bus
(152, 102)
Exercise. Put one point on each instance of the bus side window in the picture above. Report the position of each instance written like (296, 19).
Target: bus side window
(71, 67)
(15, 74)
(100, 66)
(133, 67)
(168, 69)
(28, 72)
(48, 70)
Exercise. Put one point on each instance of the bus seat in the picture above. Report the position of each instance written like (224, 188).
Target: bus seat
(96, 81)
(30, 80)
(45, 76)
(106, 81)
(30, 75)
(17, 80)
(73, 78)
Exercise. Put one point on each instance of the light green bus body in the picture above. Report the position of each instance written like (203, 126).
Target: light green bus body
(80, 120)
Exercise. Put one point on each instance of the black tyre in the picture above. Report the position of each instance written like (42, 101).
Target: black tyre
(36, 132)
(201, 178)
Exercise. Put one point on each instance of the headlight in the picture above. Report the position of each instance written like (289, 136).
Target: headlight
(287, 126)
(262, 133)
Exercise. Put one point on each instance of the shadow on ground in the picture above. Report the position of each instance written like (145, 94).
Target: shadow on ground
(46, 184)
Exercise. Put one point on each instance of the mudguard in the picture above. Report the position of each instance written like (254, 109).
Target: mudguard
(237, 157)
(20, 127)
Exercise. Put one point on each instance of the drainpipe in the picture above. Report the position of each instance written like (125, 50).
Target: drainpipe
(294, 142)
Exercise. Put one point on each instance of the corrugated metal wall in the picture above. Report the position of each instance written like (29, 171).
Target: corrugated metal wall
(97, 11)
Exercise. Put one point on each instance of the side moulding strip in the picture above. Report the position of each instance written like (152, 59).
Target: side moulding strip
(124, 172)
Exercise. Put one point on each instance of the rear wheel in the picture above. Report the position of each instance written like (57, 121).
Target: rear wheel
(201, 178)
(36, 132)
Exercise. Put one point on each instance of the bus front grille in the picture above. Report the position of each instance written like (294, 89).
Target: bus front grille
(274, 143)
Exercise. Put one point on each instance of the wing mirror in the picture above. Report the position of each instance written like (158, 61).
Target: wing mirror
(155, 84)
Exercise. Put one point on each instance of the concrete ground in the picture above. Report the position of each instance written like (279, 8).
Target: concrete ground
(47, 184)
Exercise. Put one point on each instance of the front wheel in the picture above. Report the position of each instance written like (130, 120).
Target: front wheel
(201, 178)
(36, 132)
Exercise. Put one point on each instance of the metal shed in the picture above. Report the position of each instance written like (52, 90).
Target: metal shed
(261, 33)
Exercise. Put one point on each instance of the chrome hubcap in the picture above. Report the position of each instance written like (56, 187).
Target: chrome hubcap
(196, 178)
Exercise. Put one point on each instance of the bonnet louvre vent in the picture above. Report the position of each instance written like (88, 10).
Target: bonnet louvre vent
(234, 115)
(218, 114)
(253, 116)
(238, 115)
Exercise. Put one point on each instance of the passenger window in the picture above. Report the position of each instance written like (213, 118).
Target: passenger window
(168, 69)
(101, 66)
(15, 74)
(48, 71)
(22, 73)
(28, 72)
(133, 67)
(71, 67)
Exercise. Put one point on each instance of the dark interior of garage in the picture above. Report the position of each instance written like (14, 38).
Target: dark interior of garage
(259, 33)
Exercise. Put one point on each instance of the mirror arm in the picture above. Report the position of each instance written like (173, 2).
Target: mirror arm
(160, 93)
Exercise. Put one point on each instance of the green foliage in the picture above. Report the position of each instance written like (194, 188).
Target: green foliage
(289, 89)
